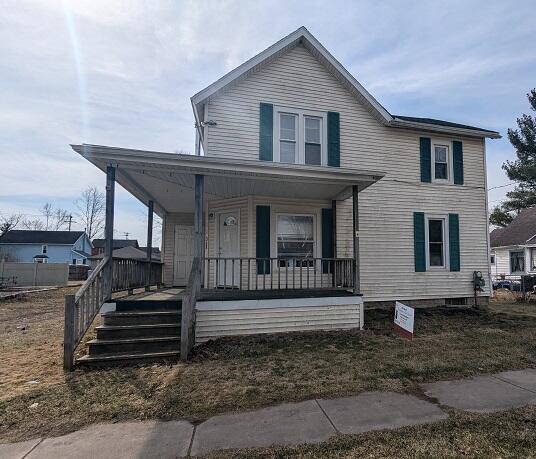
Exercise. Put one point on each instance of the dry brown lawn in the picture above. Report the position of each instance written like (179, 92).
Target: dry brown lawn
(234, 374)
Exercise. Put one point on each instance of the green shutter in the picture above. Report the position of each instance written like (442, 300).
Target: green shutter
(426, 159)
(457, 161)
(327, 238)
(419, 242)
(263, 239)
(334, 139)
(454, 242)
(266, 130)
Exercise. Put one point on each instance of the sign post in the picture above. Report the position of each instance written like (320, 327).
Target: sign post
(404, 320)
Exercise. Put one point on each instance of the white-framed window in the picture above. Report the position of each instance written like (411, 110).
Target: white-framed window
(44, 249)
(300, 136)
(288, 127)
(436, 242)
(295, 236)
(492, 259)
(441, 162)
(533, 259)
(517, 261)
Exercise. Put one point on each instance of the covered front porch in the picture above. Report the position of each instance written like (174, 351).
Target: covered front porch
(237, 231)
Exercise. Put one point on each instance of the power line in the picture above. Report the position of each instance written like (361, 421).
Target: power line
(500, 186)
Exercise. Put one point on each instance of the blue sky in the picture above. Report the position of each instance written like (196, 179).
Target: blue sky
(121, 73)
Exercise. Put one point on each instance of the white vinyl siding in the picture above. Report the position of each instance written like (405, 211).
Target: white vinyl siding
(386, 209)
(502, 262)
(214, 319)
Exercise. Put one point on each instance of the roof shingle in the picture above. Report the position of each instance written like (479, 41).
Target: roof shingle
(521, 231)
(40, 237)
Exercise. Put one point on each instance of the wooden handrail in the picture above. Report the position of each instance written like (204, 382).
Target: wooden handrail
(110, 275)
(91, 278)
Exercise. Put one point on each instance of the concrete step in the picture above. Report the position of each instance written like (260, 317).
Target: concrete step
(147, 305)
(114, 318)
(107, 332)
(134, 345)
(127, 358)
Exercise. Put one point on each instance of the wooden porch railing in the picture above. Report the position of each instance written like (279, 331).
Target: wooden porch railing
(110, 275)
(248, 273)
(81, 309)
(129, 274)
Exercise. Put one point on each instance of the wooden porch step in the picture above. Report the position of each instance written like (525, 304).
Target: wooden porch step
(141, 317)
(107, 332)
(147, 305)
(134, 345)
(128, 358)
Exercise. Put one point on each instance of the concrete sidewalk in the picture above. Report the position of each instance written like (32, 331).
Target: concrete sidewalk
(311, 421)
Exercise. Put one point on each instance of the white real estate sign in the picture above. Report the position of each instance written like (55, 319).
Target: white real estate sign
(404, 320)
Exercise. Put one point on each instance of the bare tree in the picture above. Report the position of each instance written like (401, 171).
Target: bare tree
(9, 222)
(34, 224)
(48, 212)
(60, 219)
(54, 219)
(91, 206)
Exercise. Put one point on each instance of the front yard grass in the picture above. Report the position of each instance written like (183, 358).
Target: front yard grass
(234, 374)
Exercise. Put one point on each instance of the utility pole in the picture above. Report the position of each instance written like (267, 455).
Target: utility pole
(70, 221)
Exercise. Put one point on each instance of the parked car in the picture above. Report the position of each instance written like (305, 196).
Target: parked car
(514, 286)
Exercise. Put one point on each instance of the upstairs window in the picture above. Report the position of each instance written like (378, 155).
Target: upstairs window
(313, 146)
(44, 249)
(287, 138)
(300, 136)
(441, 162)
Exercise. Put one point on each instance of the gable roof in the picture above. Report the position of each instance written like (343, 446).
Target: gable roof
(432, 121)
(40, 237)
(521, 231)
(304, 37)
(117, 243)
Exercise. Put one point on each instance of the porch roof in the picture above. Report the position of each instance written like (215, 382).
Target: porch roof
(168, 178)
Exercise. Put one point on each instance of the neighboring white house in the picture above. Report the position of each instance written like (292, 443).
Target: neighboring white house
(513, 248)
(306, 182)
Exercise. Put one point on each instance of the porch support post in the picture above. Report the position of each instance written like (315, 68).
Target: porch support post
(334, 279)
(199, 226)
(109, 228)
(150, 207)
(357, 281)
(334, 218)
(194, 280)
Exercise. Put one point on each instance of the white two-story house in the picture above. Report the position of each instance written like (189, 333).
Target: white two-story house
(306, 198)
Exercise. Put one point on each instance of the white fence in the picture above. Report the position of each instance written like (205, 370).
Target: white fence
(34, 274)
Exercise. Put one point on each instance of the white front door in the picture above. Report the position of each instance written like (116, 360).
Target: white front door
(184, 254)
(229, 247)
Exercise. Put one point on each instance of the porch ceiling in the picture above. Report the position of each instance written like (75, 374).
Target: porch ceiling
(168, 178)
